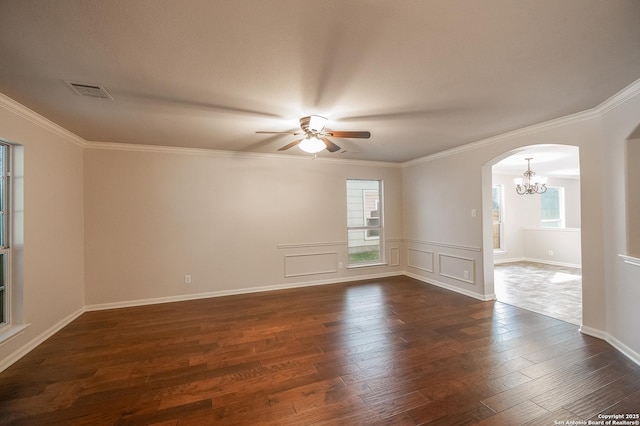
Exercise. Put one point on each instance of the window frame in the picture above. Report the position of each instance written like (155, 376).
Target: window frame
(367, 230)
(500, 221)
(5, 236)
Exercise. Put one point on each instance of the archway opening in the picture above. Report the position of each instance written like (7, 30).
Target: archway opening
(532, 242)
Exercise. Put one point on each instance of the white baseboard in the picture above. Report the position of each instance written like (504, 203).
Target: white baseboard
(626, 351)
(483, 297)
(593, 332)
(232, 292)
(617, 344)
(31, 345)
(509, 260)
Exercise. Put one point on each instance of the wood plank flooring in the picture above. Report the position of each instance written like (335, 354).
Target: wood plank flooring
(393, 351)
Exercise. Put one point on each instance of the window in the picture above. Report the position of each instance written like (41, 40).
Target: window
(364, 222)
(371, 216)
(496, 214)
(552, 208)
(4, 233)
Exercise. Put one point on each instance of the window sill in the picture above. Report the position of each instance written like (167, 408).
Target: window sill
(10, 331)
(535, 228)
(367, 265)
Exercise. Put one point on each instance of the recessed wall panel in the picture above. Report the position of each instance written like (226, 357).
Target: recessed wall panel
(296, 265)
(394, 256)
(420, 259)
(457, 267)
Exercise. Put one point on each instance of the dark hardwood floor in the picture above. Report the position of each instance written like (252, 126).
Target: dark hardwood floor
(386, 352)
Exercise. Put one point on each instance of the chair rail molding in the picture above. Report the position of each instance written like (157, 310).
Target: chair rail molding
(630, 260)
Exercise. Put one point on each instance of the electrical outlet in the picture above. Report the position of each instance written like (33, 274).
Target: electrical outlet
(340, 265)
(550, 252)
(187, 279)
(466, 275)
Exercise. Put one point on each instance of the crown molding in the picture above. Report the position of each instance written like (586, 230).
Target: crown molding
(32, 116)
(605, 107)
(619, 98)
(112, 146)
(600, 110)
(22, 111)
(535, 128)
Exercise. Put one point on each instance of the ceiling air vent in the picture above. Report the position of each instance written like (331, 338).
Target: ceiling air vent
(91, 90)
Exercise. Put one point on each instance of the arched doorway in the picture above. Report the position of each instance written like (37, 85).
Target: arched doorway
(532, 242)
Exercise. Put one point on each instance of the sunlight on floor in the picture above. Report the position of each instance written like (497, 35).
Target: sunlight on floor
(550, 290)
(562, 277)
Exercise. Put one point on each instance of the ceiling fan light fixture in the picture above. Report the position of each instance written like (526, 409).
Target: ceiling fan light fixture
(315, 139)
(312, 145)
(316, 123)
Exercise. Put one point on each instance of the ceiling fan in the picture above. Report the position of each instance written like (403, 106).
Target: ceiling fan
(315, 139)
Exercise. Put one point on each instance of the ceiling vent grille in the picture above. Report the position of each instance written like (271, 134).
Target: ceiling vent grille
(90, 90)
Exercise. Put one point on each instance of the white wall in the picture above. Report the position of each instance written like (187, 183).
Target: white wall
(523, 237)
(51, 251)
(232, 222)
(622, 278)
(556, 246)
(442, 237)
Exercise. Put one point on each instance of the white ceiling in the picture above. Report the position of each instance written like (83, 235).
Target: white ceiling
(422, 76)
(561, 161)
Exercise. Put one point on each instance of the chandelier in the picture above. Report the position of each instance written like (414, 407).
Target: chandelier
(530, 184)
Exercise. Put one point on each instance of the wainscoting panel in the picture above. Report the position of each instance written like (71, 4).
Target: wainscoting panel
(457, 267)
(297, 265)
(420, 259)
(394, 256)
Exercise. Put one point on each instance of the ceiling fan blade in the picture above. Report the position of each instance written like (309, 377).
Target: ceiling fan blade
(290, 145)
(278, 133)
(348, 134)
(331, 147)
